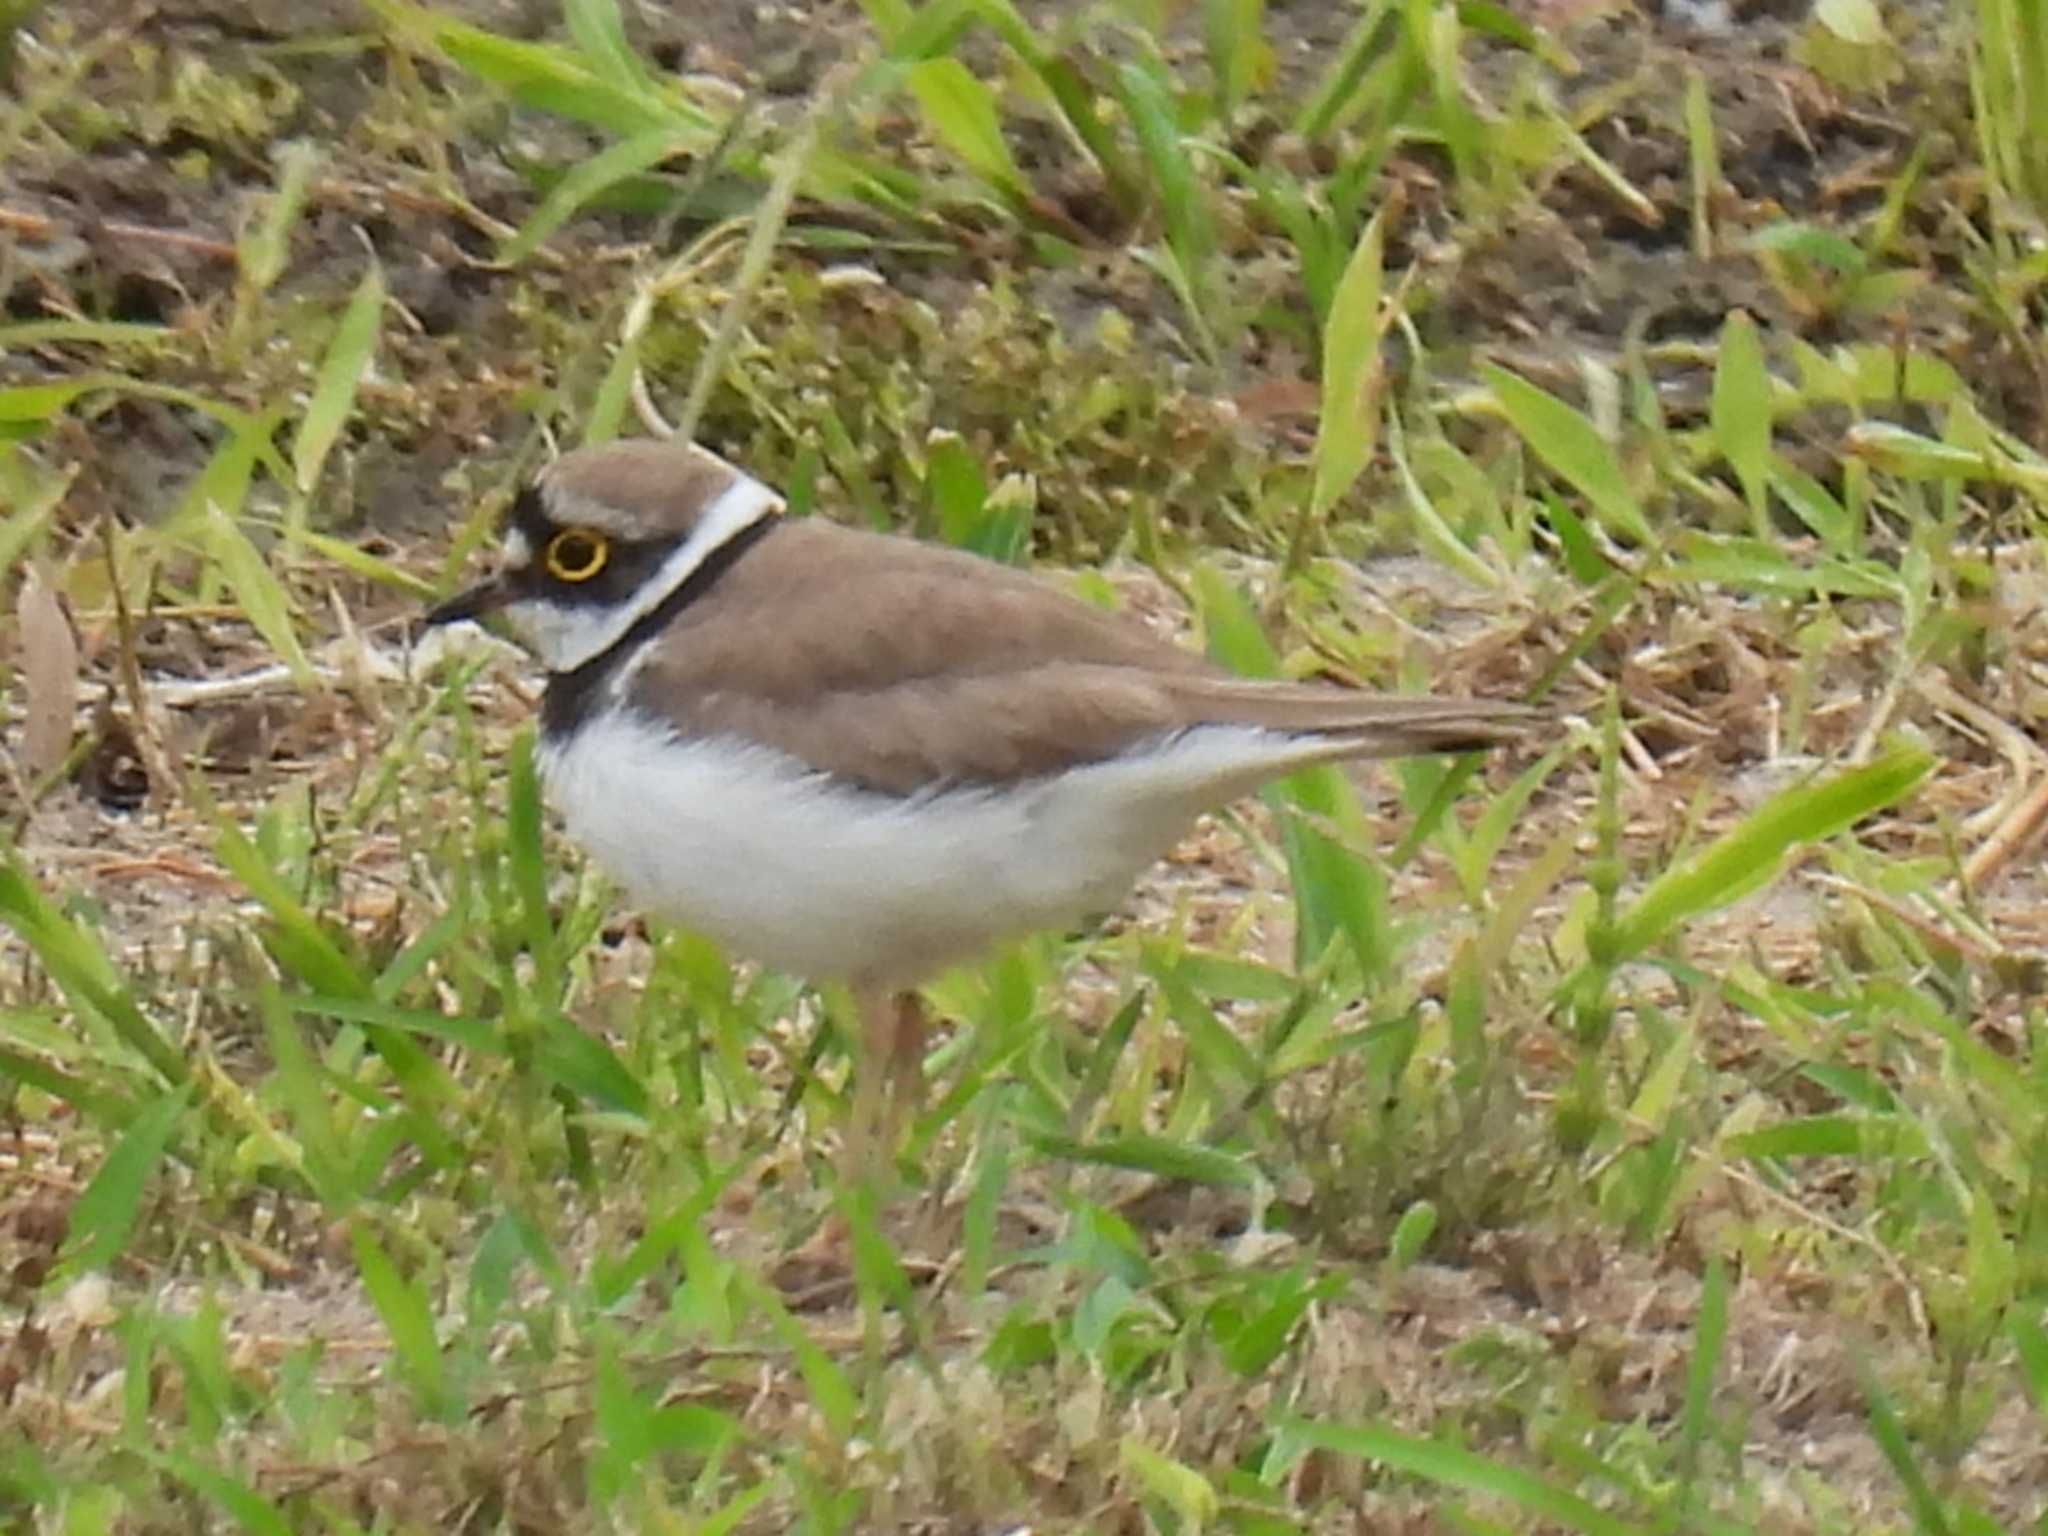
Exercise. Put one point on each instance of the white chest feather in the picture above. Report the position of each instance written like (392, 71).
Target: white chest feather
(784, 866)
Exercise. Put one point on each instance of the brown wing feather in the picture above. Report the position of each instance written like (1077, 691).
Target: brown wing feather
(946, 669)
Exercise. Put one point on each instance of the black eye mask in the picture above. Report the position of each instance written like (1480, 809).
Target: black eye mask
(629, 564)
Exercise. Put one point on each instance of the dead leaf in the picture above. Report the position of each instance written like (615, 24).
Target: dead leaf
(49, 674)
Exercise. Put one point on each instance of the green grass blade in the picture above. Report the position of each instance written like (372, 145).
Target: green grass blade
(1453, 1466)
(2030, 1342)
(1157, 1155)
(1930, 1518)
(348, 359)
(1239, 55)
(295, 937)
(600, 32)
(1747, 857)
(962, 114)
(214, 501)
(528, 860)
(1338, 91)
(82, 971)
(1575, 451)
(102, 1108)
(591, 178)
(548, 76)
(1348, 421)
(1741, 413)
(254, 1513)
(831, 1393)
(1076, 99)
(103, 1216)
(1183, 200)
(409, 1318)
(1192, 1498)
(265, 248)
(1710, 1336)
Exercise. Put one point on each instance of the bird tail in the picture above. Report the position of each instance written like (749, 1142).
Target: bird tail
(1352, 724)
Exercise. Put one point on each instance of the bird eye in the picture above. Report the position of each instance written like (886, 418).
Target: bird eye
(576, 554)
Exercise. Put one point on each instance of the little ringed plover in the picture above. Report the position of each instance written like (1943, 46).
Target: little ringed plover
(856, 757)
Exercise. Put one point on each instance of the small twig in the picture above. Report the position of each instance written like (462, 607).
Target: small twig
(1916, 1304)
(2013, 745)
(1926, 927)
(128, 661)
(36, 226)
(2019, 828)
(1639, 756)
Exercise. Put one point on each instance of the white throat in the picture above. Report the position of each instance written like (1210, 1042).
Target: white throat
(565, 637)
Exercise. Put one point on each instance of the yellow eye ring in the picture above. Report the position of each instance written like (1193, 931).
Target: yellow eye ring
(576, 554)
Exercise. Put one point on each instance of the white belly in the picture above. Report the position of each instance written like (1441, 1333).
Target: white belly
(783, 866)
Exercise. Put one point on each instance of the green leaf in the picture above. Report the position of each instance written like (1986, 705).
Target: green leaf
(1181, 1488)
(1742, 411)
(1765, 566)
(553, 78)
(1862, 1136)
(1183, 204)
(1253, 1347)
(1710, 1336)
(1411, 1234)
(1347, 425)
(296, 939)
(104, 1214)
(39, 402)
(1574, 450)
(104, 1109)
(1815, 505)
(1432, 532)
(1072, 92)
(588, 1067)
(1240, 58)
(83, 973)
(1231, 625)
(978, 1221)
(1853, 21)
(831, 1393)
(1455, 1467)
(1337, 94)
(1158, 1155)
(591, 178)
(1898, 451)
(98, 333)
(1747, 857)
(250, 1510)
(1807, 242)
(348, 360)
(600, 32)
(1582, 555)
(962, 114)
(409, 1319)
(2030, 1342)
(220, 491)
(263, 251)
(608, 409)
(1930, 1518)
(956, 487)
